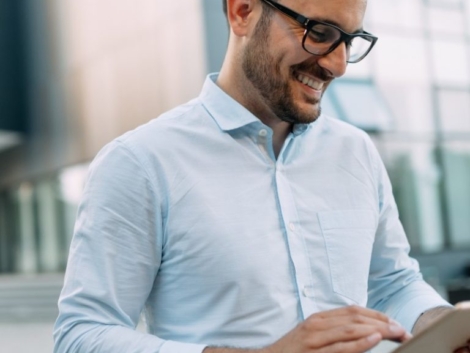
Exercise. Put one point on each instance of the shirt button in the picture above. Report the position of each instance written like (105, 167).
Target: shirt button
(263, 133)
(292, 226)
(308, 292)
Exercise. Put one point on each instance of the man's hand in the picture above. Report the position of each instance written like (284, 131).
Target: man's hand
(351, 329)
(464, 305)
(431, 316)
(347, 330)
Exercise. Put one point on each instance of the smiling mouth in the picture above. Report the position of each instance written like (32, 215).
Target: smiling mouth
(312, 83)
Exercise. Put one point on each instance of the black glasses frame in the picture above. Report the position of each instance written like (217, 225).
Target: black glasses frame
(308, 23)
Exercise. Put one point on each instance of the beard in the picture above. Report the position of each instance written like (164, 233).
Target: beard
(264, 72)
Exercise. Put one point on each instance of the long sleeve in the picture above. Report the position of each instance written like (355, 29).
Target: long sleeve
(114, 257)
(396, 286)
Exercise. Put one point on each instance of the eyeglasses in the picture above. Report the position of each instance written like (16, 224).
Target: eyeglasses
(322, 38)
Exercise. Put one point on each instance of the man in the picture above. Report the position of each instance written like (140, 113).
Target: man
(244, 219)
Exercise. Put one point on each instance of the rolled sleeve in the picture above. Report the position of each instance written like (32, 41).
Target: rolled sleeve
(396, 285)
(416, 298)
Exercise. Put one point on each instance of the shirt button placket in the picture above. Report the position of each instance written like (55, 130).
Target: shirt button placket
(292, 226)
(308, 291)
(262, 136)
(297, 250)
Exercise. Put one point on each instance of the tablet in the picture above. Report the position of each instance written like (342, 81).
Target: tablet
(450, 332)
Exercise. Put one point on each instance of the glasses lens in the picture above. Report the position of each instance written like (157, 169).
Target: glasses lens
(321, 38)
(358, 48)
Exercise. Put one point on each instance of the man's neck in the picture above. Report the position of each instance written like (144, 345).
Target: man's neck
(244, 93)
(281, 130)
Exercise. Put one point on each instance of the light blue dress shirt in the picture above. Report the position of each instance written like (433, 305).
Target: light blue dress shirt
(191, 219)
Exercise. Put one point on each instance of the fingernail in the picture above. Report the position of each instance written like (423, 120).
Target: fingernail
(375, 337)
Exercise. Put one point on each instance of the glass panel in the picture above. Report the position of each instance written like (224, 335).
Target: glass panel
(402, 60)
(48, 240)
(451, 63)
(467, 16)
(411, 106)
(415, 177)
(9, 139)
(217, 34)
(454, 110)
(361, 105)
(445, 3)
(4, 243)
(457, 166)
(27, 261)
(37, 221)
(446, 21)
(398, 14)
(9, 236)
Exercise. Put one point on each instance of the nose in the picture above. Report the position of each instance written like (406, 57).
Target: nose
(336, 61)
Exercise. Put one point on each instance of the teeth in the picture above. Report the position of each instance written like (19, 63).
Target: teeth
(309, 82)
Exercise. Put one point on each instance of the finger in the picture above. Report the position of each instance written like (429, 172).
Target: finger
(406, 337)
(388, 329)
(357, 346)
(353, 311)
(353, 332)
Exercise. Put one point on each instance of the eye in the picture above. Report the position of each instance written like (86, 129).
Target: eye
(318, 35)
(323, 34)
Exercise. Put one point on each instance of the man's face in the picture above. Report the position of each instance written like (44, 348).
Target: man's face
(277, 65)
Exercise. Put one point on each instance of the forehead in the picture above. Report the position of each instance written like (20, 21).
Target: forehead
(347, 14)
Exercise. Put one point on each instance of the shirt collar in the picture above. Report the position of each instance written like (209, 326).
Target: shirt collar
(227, 112)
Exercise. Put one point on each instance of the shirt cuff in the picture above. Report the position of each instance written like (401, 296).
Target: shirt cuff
(409, 313)
(180, 347)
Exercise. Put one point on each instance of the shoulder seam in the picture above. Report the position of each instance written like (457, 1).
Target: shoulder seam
(139, 160)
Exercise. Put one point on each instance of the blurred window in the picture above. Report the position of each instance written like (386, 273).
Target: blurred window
(467, 16)
(361, 104)
(413, 94)
(401, 59)
(454, 110)
(415, 177)
(37, 220)
(457, 175)
(447, 21)
(400, 15)
(451, 62)
(445, 3)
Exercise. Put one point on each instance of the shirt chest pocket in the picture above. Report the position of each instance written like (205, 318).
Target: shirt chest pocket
(349, 238)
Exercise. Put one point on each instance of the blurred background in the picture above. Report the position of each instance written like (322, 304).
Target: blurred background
(76, 74)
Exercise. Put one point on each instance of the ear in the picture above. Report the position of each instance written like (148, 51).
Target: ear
(243, 15)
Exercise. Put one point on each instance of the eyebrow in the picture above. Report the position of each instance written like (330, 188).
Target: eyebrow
(334, 23)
